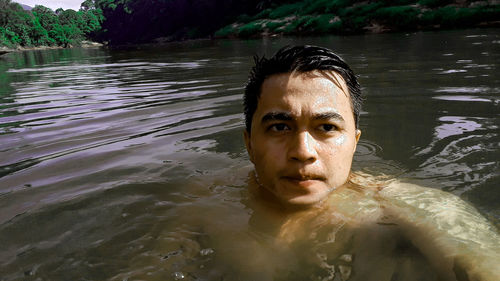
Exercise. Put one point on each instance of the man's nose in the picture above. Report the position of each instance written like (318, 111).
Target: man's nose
(303, 147)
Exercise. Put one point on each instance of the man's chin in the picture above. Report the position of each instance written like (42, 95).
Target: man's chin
(293, 196)
(307, 195)
(303, 201)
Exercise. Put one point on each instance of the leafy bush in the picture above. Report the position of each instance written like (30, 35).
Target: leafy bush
(296, 25)
(4, 38)
(273, 25)
(250, 29)
(323, 24)
(244, 18)
(452, 17)
(311, 6)
(489, 13)
(445, 16)
(434, 3)
(361, 10)
(225, 31)
(324, 6)
(396, 2)
(285, 10)
(354, 24)
(262, 15)
(399, 16)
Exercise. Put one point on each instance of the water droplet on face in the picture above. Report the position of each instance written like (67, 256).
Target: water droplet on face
(346, 258)
(340, 140)
(207, 251)
(179, 275)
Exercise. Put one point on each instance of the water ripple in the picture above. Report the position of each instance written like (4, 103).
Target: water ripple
(65, 109)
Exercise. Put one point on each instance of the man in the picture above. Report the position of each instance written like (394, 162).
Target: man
(302, 111)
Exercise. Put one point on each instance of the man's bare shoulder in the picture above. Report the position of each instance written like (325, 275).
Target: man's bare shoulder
(445, 221)
(436, 205)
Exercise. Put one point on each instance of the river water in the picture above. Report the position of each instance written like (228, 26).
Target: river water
(130, 164)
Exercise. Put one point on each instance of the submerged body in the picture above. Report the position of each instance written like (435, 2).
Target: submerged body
(399, 231)
(368, 229)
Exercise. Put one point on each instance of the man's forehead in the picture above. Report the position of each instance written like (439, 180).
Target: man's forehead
(312, 95)
(320, 87)
(319, 77)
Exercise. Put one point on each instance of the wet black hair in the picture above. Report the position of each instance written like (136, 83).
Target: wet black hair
(298, 59)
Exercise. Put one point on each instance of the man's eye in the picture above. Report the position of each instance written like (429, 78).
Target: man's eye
(279, 127)
(327, 127)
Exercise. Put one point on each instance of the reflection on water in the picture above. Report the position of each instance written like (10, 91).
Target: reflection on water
(464, 98)
(130, 164)
(455, 125)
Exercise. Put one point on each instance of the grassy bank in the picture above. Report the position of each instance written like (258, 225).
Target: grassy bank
(311, 17)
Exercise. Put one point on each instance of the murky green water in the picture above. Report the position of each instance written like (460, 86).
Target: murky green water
(130, 164)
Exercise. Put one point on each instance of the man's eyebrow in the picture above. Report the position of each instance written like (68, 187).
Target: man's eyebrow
(277, 116)
(328, 116)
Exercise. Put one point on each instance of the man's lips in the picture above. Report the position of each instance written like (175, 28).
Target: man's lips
(303, 177)
(302, 182)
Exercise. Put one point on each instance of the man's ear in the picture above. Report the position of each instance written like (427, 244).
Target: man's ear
(356, 137)
(248, 145)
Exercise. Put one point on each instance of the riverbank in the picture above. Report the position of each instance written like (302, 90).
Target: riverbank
(318, 17)
(84, 44)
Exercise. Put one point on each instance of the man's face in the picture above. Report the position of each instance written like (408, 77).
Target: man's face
(303, 136)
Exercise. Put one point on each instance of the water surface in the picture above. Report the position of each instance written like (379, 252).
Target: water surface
(119, 164)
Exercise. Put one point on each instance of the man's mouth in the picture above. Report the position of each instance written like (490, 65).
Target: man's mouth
(303, 177)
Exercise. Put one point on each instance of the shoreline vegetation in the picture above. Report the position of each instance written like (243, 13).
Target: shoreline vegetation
(343, 17)
(84, 44)
(26, 28)
(136, 22)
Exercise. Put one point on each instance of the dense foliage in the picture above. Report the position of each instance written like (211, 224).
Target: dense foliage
(357, 16)
(43, 27)
(145, 21)
(137, 21)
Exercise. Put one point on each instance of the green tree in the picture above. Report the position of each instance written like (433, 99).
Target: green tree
(44, 21)
(87, 5)
(92, 16)
(39, 35)
(42, 26)
(45, 16)
(90, 22)
(17, 23)
(65, 35)
(68, 17)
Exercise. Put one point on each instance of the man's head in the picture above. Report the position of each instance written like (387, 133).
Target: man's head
(301, 111)
(299, 59)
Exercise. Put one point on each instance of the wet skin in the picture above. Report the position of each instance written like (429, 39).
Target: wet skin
(303, 136)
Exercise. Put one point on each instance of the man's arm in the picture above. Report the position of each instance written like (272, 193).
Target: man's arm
(442, 222)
